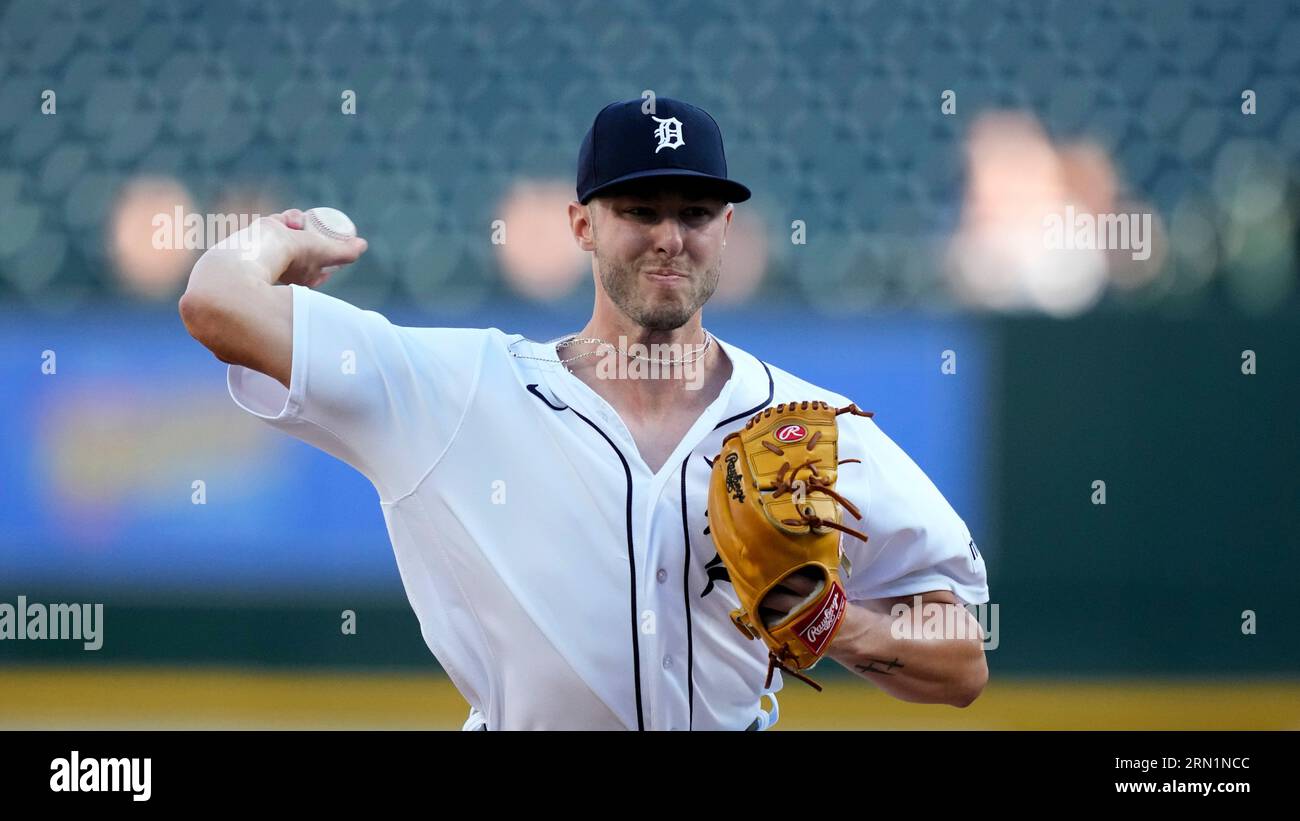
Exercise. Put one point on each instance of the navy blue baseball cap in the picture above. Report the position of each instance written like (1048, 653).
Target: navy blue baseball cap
(676, 140)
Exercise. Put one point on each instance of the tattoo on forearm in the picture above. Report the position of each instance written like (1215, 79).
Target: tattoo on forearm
(870, 666)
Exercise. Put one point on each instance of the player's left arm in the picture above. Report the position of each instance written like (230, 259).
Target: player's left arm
(917, 543)
(902, 661)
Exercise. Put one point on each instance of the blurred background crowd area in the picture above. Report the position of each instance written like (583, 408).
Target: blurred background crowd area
(1172, 377)
(833, 114)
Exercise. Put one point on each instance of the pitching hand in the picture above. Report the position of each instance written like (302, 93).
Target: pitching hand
(308, 252)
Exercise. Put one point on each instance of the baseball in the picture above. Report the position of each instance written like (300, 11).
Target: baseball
(330, 222)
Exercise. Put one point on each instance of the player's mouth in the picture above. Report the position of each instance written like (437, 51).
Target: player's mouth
(666, 275)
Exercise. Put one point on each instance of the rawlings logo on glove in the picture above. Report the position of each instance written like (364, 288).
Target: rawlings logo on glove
(774, 515)
(816, 630)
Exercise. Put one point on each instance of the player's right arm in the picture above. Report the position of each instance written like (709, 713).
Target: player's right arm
(386, 399)
(235, 304)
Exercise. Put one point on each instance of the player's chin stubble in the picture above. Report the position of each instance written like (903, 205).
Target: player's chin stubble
(654, 308)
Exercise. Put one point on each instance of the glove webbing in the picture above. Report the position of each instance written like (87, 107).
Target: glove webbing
(816, 481)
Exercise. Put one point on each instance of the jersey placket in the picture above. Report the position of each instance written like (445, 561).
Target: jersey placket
(665, 650)
(658, 550)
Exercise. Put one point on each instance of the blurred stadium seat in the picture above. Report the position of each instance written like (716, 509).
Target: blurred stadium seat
(831, 109)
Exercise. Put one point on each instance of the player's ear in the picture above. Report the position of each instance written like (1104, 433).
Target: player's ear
(582, 223)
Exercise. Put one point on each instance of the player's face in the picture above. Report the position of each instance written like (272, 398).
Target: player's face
(660, 229)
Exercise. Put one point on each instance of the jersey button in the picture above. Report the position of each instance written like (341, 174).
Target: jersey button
(662, 575)
(668, 662)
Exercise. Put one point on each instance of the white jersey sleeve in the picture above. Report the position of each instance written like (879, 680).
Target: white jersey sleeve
(915, 542)
(386, 399)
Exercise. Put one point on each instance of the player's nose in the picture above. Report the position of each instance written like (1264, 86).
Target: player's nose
(668, 237)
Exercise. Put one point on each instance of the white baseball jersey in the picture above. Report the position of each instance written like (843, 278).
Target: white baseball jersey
(559, 582)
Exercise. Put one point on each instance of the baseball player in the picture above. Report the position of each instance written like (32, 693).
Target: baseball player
(547, 501)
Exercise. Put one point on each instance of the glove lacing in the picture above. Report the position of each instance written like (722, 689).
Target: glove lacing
(775, 662)
(784, 482)
(815, 481)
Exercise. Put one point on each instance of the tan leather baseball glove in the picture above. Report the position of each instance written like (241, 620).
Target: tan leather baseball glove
(774, 516)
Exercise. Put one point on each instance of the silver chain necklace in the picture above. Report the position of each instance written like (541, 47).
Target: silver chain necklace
(708, 341)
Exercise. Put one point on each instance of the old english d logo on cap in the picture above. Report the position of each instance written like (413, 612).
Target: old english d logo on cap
(677, 139)
(669, 133)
